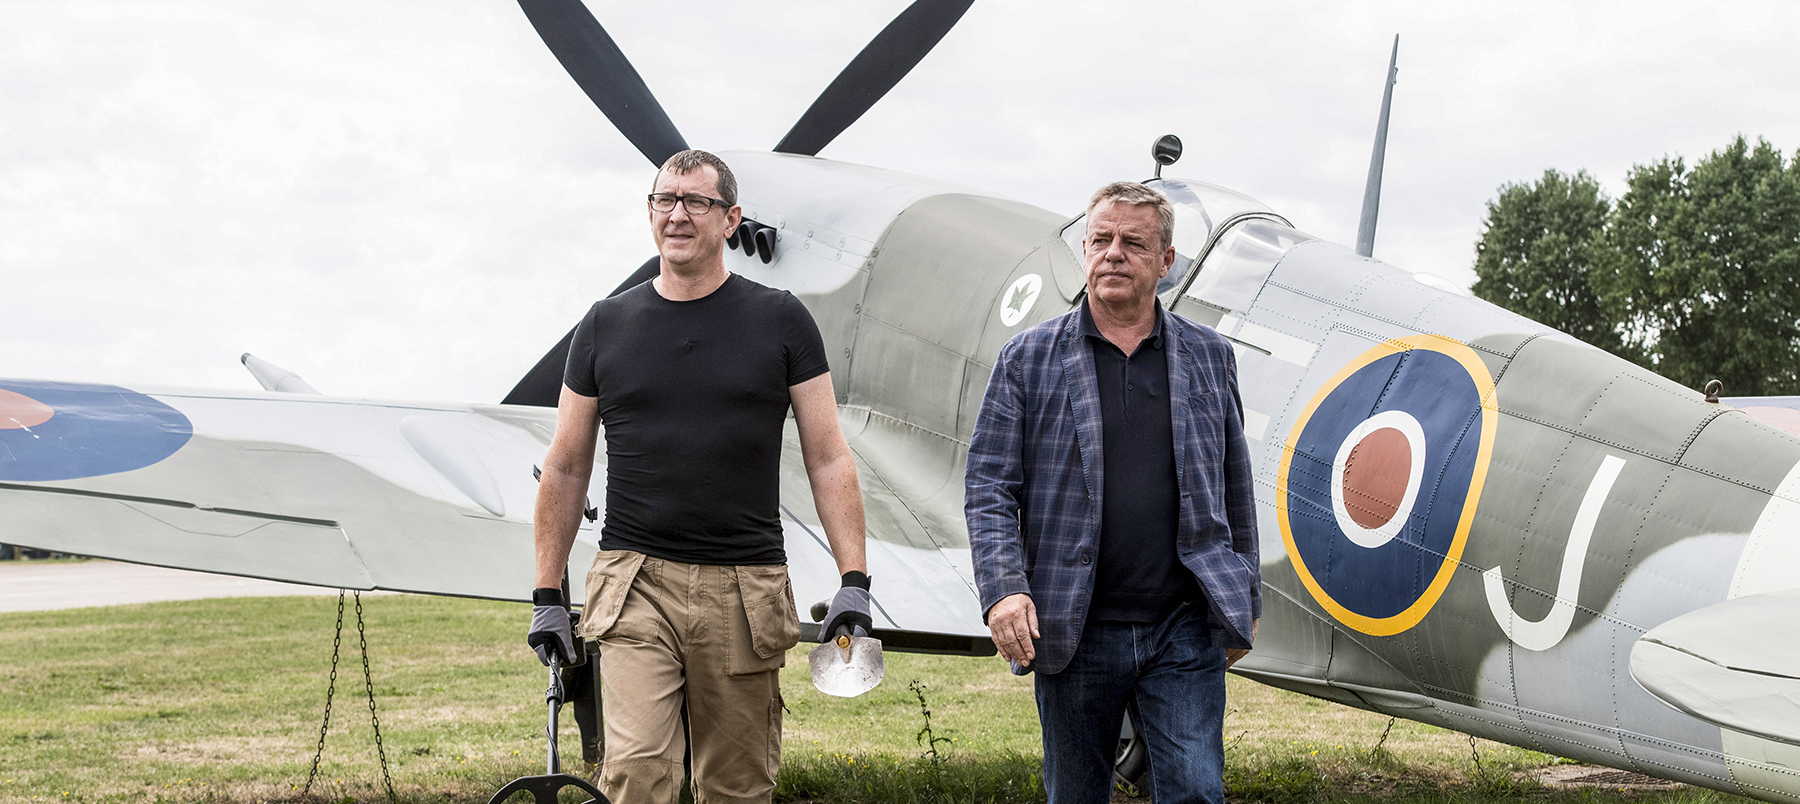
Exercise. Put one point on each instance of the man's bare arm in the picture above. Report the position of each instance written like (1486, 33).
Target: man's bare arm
(831, 469)
(562, 490)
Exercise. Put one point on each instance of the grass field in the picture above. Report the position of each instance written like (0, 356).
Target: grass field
(220, 701)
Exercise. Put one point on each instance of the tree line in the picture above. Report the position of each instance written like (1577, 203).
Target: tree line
(1693, 273)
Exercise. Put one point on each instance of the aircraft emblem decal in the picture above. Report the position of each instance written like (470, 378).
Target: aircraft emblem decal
(1407, 422)
(68, 431)
(1019, 298)
(1546, 633)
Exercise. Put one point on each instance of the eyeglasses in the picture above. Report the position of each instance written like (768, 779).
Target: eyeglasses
(694, 204)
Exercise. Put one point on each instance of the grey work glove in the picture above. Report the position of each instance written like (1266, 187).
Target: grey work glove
(550, 632)
(849, 609)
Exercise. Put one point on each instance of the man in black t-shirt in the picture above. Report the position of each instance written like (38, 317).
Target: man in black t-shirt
(692, 375)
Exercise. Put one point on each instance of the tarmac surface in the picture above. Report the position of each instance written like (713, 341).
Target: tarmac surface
(49, 585)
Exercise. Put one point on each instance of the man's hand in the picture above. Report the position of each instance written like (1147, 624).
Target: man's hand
(849, 609)
(1013, 624)
(550, 633)
(1234, 654)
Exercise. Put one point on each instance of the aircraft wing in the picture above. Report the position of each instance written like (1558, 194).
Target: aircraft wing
(366, 494)
(1735, 664)
(349, 493)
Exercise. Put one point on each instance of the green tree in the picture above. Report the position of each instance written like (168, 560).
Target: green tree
(1542, 251)
(1708, 268)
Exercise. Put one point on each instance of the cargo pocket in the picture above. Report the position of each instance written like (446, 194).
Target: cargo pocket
(769, 624)
(607, 582)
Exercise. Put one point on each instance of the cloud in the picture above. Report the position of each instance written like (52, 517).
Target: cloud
(410, 199)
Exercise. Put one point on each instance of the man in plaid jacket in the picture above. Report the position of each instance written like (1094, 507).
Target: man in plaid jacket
(1110, 512)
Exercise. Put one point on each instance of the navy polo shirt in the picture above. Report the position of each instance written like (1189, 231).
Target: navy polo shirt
(1139, 578)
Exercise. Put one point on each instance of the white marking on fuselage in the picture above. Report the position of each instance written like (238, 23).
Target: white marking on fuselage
(1546, 633)
(1407, 426)
(1018, 299)
(1256, 425)
(1279, 345)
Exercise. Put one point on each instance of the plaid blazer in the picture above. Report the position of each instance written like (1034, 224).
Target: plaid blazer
(1033, 487)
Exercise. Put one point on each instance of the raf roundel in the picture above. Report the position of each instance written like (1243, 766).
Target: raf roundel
(68, 431)
(1380, 479)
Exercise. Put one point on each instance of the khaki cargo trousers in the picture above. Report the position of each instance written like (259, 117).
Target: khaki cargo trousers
(711, 637)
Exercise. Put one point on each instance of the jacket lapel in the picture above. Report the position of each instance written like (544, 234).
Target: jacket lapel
(1180, 388)
(1083, 388)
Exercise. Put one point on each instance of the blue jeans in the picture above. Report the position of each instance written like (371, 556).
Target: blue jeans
(1176, 678)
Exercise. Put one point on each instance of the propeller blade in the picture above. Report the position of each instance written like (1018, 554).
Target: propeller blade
(603, 72)
(887, 59)
(1371, 208)
(542, 385)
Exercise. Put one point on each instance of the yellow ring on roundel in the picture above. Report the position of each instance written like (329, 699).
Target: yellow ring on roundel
(1484, 387)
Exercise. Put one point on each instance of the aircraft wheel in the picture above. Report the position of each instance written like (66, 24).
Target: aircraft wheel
(1133, 758)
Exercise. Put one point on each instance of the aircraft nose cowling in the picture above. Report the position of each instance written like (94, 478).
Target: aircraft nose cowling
(1735, 664)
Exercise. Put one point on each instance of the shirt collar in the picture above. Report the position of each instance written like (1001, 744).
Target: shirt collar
(1091, 330)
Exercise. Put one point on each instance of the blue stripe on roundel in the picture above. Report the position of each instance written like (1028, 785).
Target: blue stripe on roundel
(91, 430)
(1385, 581)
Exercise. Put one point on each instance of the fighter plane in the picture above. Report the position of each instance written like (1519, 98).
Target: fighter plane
(1467, 519)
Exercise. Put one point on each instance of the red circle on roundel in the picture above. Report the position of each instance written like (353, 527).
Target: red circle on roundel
(18, 411)
(1376, 475)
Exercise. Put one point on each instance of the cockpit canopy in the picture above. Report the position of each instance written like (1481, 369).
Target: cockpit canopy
(1246, 239)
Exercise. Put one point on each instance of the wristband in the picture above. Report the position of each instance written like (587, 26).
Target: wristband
(857, 579)
(547, 597)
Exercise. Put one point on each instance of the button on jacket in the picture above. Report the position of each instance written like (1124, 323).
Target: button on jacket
(1035, 474)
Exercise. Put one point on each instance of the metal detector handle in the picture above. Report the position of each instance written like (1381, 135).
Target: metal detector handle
(553, 696)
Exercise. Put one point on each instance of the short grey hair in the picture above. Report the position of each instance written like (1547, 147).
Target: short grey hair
(1141, 195)
(691, 159)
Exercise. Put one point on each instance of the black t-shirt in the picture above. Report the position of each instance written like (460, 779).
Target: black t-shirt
(693, 396)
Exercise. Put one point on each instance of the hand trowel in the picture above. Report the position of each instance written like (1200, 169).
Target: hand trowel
(845, 666)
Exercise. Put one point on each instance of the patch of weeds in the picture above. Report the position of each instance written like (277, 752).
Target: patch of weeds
(1282, 780)
(1697, 795)
(1499, 779)
(926, 737)
(841, 779)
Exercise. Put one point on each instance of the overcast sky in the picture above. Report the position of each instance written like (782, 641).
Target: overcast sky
(410, 199)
